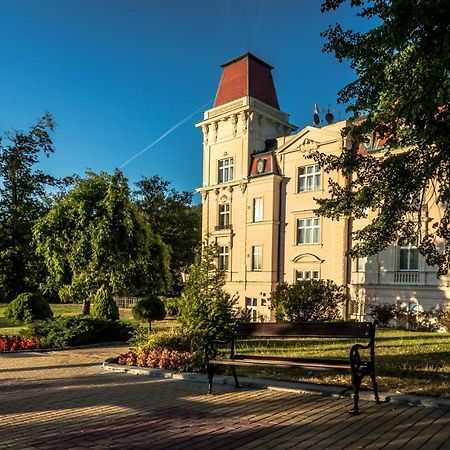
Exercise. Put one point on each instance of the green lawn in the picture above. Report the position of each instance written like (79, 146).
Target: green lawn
(406, 361)
(68, 309)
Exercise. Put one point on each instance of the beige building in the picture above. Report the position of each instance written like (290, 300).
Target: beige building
(258, 204)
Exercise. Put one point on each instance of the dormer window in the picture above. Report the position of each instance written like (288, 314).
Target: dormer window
(225, 170)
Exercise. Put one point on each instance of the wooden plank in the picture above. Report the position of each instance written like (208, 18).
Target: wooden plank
(306, 329)
(279, 363)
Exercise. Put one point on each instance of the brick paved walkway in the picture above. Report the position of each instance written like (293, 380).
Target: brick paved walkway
(63, 400)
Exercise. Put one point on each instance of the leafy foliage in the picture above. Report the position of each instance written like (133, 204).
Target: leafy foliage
(103, 305)
(61, 332)
(149, 308)
(23, 199)
(383, 313)
(205, 306)
(402, 89)
(307, 301)
(95, 236)
(171, 216)
(28, 307)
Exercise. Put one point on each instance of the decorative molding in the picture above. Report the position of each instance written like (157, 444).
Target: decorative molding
(223, 198)
(205, 129)
(243, 186)
(308, 145)
(223, 109)
(234, 122)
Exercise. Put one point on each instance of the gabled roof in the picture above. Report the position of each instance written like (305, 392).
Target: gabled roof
(244, 76)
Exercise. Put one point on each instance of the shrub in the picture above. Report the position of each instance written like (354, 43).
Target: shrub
(205, 306)
(384, 313)
(307, 301)
(172, 305)
(103, 305)
(149, 308)
(158, 357)
(28, 307)
(14, 343)
(78, 330)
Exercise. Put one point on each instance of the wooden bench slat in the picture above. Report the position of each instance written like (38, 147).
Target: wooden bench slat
(281, 363)
(339, 330)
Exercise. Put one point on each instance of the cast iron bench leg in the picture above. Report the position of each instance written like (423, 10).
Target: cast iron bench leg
(210, 370)
(356, 382)
(236, 381)
(375, 387)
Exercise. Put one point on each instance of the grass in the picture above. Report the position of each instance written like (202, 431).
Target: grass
(70, 309)
(406, 361)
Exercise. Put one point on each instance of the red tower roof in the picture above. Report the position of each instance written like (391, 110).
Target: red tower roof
(246, 76)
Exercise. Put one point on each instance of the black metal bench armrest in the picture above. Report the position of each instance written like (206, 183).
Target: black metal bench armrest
(211, 347)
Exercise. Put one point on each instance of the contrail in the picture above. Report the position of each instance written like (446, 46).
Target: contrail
(165, 134)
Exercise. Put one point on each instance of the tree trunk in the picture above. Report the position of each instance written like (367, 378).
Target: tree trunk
(86, 307)
(149, 326)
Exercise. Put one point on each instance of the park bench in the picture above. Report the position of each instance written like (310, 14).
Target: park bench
(358, 366)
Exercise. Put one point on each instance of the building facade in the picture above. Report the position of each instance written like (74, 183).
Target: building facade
(258, 192)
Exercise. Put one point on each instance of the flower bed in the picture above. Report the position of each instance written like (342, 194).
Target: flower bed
(14, 343)
(159, 357)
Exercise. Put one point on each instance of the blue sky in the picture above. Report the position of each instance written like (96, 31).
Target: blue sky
(117, 74)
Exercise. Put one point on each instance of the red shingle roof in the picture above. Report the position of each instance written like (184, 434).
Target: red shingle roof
(246, 75)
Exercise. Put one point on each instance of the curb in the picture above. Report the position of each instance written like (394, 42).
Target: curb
(110, 365)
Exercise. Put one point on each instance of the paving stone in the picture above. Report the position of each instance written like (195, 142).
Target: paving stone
(64, 400)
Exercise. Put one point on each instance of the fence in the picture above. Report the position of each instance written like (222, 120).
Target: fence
(125, 302)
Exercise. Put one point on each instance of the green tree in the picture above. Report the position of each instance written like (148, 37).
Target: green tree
(402, 89)
(308, 301)
(103, 305)
(205, 306)
(149, 308)
(23, 199)
(171, 216)
(96, 236)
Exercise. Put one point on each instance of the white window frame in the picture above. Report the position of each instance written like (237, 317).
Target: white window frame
(308, 230)
(257, 258)
(225, 170)
(258, 209)
(251, 304)
(224, 216)
(409, 258)
(310, 274)
(223, 257)
(309, 178)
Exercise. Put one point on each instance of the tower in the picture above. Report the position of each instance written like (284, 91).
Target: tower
(242, 184)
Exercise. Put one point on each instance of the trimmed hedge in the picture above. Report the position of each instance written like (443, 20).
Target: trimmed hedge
(28, 307)
(79, 330)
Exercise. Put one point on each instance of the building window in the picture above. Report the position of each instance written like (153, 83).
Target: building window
(224, 216)
(251, 304)
(361, 263)
(258, 209)
(308, 230)
(306, 275)
(257, 257)
(409, 256)
(223, 257)
(225, 170)
(309, 178)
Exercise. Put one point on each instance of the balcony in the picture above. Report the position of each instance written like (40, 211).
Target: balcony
(223, 227)
(406, 278)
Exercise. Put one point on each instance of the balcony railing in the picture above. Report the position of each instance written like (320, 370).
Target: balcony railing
(406, 277)
(223, 227)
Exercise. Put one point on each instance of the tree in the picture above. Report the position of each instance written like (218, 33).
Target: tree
(22, 201)
(104, 306)
(96, 236)
(149, 308)
(307, 301)
(172, 217)
(205, 306)
(402, 91)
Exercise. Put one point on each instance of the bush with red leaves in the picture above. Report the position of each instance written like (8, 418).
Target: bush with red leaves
(159, 357)
(14, 343)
